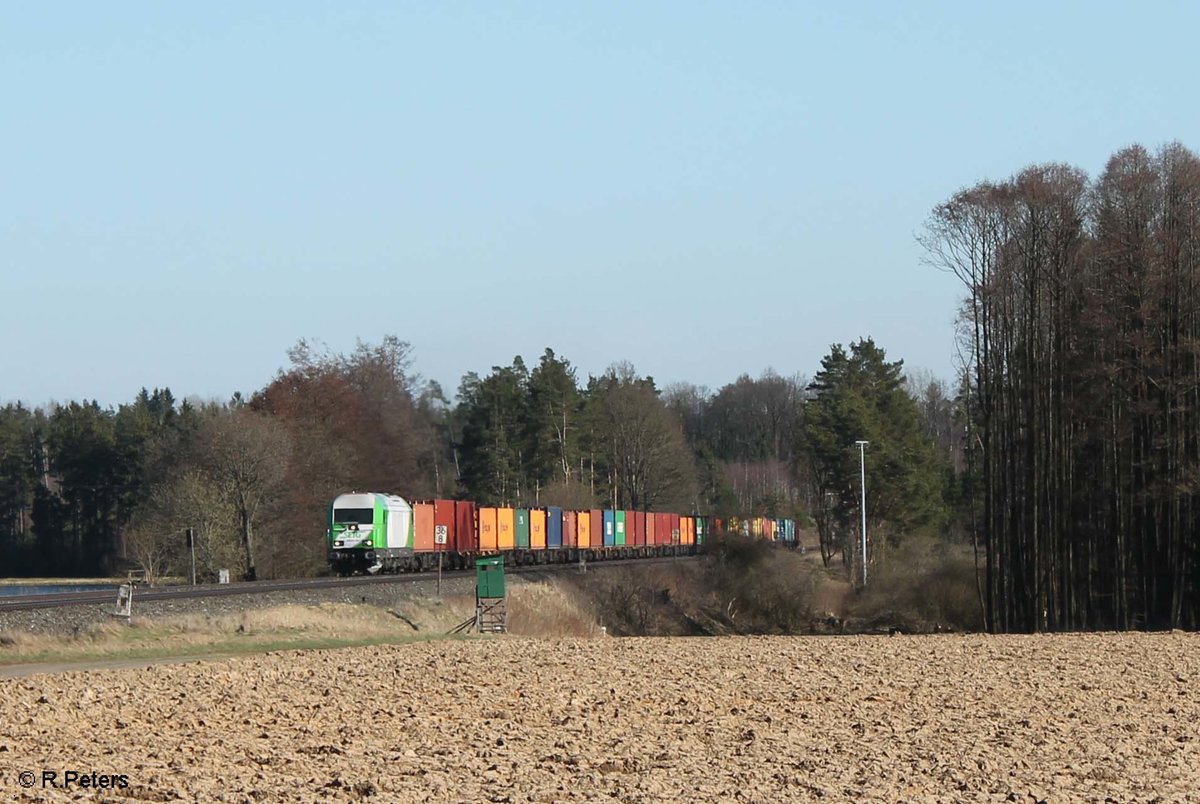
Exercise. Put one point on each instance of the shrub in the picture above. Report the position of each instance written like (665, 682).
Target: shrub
(925, 585)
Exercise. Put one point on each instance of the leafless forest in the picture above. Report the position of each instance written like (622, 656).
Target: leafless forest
(1082, 388)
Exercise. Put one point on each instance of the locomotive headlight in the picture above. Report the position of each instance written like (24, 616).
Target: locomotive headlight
(338, 543)
(366, 542)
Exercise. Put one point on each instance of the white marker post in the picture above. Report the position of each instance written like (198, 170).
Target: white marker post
(124, 601)
(439, 538)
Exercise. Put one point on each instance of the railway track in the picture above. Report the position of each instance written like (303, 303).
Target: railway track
(145, 593)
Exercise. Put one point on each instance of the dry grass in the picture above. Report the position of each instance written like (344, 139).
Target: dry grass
(536, 610)
(326, 625)
(740, 586)
(549, 610)
(544, 609)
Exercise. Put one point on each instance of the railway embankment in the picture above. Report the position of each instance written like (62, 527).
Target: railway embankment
(74, 619)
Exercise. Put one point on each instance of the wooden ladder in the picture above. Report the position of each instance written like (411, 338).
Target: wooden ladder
(491, 615)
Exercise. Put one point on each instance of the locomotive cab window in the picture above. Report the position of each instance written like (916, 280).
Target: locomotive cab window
(353, 516)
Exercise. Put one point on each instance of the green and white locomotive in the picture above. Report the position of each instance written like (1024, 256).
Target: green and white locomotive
(369, 532)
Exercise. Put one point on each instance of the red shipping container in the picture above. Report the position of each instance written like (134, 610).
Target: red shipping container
(422, 527)
(569, 533)
(650, 528)
(443, 525)
(662, 528)
(466, 529)
(674, 528)
(639, 528)
(596, 518)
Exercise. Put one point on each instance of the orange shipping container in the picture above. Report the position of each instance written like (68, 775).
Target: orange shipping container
(650, 520)
(583, 525)
(537, 528)
(423, 526)
(505, 528)
(488, 535)
(569, 529)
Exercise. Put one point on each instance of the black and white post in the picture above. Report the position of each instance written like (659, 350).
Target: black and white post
(862, 468)
(191, 539)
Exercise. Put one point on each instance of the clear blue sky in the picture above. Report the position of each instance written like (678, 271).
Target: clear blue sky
(702, 189)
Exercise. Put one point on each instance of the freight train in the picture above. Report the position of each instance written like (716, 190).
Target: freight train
(371, 532)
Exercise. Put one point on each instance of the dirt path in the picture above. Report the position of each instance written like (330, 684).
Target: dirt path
(49, 668)
(941, 718)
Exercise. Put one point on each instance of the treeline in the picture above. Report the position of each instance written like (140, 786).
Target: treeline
(535, 437)
(786, 446)
(1081, 331)
(772, 446)
(86, 490)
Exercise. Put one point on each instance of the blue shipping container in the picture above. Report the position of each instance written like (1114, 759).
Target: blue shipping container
(553, 527)
(610, 532)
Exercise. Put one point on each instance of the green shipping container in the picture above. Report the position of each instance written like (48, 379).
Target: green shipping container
(489, 577)
(620, 519)
(521, 525)
(701, 527)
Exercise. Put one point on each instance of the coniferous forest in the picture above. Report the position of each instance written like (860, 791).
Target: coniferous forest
(1066, 453)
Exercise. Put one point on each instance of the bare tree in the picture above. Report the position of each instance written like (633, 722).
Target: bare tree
(189, 501)
(246, 454)
(646, 452)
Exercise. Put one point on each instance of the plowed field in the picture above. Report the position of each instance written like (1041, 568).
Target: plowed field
(951, 718)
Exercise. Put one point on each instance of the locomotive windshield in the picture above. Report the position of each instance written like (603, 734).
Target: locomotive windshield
(353, 516)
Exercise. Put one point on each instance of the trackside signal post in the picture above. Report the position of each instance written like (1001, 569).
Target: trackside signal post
(491, 613)
(440, 533)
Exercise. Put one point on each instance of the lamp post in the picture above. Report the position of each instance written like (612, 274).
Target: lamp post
(862, 468)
